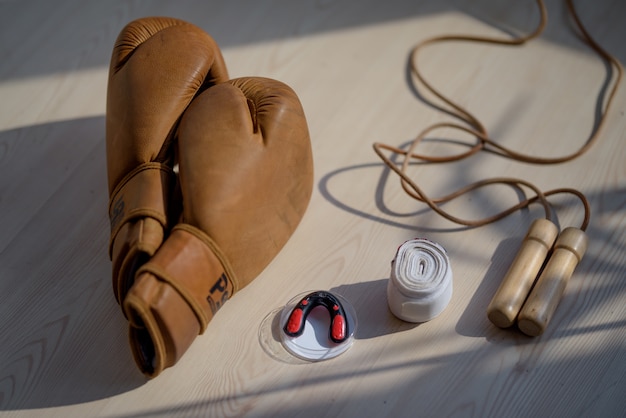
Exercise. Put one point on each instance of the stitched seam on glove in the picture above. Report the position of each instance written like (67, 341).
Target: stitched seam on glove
(128, 177)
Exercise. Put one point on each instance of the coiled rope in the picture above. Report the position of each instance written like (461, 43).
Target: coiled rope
(472, 125)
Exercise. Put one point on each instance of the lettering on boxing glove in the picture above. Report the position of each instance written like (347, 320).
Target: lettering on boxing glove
(219, 293)
(117, 213)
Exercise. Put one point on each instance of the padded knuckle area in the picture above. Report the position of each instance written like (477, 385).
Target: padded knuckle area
(135, 34)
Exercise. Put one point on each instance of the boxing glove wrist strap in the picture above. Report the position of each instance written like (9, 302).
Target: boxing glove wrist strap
(174, 298)
(216, 251)
(141, 193)
(135, 242)
(189, 266)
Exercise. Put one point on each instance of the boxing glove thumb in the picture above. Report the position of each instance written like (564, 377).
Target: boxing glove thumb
(246, 176)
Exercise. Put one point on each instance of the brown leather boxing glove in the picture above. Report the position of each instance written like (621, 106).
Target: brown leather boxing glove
(158, 65)
(246, 175)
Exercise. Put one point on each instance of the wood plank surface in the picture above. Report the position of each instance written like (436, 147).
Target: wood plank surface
(63, 340)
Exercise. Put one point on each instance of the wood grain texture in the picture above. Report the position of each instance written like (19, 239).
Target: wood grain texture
(63, 339)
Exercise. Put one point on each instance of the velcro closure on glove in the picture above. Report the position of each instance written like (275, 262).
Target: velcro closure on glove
(215, 249)
(192, 268)
(174, 297)
(144, 192)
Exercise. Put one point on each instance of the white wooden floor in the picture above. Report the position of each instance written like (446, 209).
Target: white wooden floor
(63, 339)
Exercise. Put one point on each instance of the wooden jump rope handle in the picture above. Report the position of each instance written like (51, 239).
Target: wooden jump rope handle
(545, 296)
(510, 296)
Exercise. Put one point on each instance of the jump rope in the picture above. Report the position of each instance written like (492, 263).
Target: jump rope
(536, 280)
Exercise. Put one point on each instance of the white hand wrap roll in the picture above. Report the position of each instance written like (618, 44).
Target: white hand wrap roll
(420, 286)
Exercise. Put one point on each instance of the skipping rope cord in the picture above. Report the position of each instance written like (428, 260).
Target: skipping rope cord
(473, 126)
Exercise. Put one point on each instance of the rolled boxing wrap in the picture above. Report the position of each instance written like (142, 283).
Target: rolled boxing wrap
(420, 285)
(175, 296)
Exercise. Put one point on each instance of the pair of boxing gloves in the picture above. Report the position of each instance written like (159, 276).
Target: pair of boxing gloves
(184, 241)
